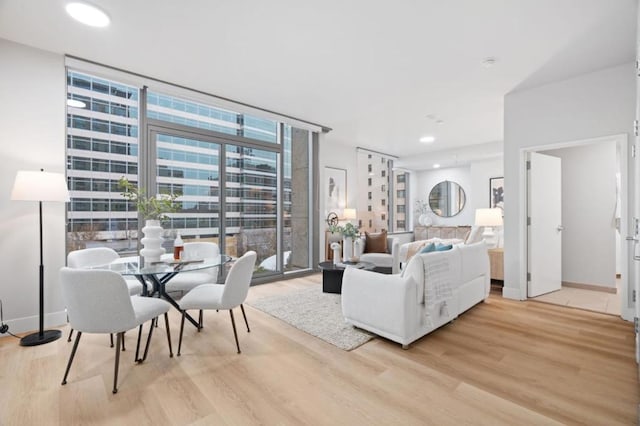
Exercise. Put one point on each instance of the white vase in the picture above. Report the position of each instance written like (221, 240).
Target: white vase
(152, 241)
(347, 249)
(336, 256)
(424, 220)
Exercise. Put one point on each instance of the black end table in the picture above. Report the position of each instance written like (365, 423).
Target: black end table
(332, 274)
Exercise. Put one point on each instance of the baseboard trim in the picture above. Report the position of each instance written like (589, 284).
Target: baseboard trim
(592, 287)
(28, 324)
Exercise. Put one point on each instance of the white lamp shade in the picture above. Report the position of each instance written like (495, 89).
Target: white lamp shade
(488, 217)
(349, 214)
(40, 186)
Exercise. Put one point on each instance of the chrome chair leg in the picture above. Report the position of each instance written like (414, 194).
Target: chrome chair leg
(73, 354)
(245, 318)
(235, 333)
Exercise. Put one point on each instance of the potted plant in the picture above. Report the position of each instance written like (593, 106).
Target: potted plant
(349, 231)
(422, 210)
(154, 210)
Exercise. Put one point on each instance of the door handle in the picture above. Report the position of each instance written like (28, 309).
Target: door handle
(560, 228)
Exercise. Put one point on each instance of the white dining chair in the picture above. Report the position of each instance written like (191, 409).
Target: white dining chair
(228, 296)
(186, 281)
(99, 256)
(98, 301)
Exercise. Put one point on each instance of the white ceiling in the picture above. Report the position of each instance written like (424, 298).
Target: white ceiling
(371, 70)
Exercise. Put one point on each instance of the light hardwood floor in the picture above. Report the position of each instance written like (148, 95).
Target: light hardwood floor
(503, 362)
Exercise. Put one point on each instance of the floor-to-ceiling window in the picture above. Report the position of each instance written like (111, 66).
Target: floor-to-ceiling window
(243, 181)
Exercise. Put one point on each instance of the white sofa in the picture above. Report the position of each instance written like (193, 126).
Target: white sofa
(388, 262)
(404, 307)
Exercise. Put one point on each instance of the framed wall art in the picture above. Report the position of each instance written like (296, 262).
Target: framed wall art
(496, 192)
(335, 189)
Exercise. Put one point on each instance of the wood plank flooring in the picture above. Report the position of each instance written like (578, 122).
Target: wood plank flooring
(503, 362)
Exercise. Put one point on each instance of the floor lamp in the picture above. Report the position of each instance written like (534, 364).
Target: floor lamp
(40, 186)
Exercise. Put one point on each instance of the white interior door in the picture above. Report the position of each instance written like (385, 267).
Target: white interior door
(545, 226)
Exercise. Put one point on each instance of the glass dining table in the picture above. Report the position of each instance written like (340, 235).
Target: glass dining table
(158, 274)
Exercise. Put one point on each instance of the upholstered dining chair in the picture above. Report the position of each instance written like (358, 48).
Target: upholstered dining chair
(228, 296)
(98, 301)
(186, 281)
(98, 256)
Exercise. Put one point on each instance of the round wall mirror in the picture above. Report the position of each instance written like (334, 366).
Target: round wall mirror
(447, 199)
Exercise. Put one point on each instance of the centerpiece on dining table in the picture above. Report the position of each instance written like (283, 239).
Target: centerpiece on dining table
(154, 209)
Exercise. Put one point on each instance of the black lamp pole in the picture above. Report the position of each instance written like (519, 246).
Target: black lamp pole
(42, 336)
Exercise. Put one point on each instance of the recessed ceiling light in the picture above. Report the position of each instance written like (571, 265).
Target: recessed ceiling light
(439, 121)
(427, 139)
(488, 62)
(436, 166)
(74, 103)
(87, 14)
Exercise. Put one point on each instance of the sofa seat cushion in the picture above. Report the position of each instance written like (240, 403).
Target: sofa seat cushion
(384, 260)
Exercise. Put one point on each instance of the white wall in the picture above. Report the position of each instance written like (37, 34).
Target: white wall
(474, 179)
(332, 153)
(591, 105)
(32, 132)
(588, 213)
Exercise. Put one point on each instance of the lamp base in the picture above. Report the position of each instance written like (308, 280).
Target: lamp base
(36, 339)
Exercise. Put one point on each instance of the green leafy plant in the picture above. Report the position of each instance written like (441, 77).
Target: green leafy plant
(150, 207)
(349, 230)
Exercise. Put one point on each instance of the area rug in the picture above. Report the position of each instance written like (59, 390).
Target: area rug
(316, 313)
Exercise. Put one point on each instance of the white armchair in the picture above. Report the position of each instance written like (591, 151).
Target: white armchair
(388, 262)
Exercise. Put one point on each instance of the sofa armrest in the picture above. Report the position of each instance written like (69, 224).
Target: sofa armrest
(384, 302)
(394, 247)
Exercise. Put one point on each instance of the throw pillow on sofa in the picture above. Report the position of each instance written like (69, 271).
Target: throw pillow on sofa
(375, 243)
(428, 248)
(443, 247)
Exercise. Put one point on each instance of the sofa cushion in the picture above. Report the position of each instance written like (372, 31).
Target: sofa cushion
(475, 235)
(375, 243)
(383, 260)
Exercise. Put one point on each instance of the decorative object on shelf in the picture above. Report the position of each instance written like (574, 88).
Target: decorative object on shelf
(496, 193)
(489, 218)
(349, 231)
(40, 186)
(154, 210)
(422, 211)
(332, 219)
(335, 188)
(336, 247)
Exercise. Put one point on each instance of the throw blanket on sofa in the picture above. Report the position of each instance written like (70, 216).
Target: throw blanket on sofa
(438, 293)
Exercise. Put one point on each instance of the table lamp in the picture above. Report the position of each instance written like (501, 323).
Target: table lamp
(488, 218)
(40, 186)
(349, 214)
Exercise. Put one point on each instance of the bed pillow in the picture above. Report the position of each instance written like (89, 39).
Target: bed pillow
(375, 243)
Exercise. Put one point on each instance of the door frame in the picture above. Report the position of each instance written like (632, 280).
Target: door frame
(622, 144)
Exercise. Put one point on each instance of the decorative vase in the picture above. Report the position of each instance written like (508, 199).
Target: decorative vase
(152, 241)
(336, 255)
(347, 248)
(424, 220)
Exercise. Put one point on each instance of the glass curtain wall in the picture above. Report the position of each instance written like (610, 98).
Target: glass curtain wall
(198, 151)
